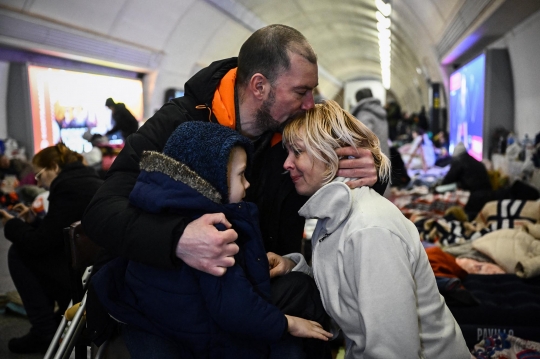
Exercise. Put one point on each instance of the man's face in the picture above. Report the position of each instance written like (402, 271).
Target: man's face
(292, 92)
(263, 117)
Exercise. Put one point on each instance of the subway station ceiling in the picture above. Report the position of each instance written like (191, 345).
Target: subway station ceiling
(171, 39)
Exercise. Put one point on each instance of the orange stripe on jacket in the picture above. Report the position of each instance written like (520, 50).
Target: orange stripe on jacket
(223, 102)
(276, 139)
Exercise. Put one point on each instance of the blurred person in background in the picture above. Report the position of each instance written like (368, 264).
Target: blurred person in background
(37, 259)
(124, 121)
(370, 112)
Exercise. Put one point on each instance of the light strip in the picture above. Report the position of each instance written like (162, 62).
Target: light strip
(384, 24)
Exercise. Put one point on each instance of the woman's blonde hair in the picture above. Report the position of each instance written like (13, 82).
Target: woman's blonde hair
(326, 127)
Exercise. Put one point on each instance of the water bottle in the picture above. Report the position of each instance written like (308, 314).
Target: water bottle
(510, 139)
(528, 146)
(526, 140)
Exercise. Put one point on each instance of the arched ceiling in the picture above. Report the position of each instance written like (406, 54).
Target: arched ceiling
(171, 39)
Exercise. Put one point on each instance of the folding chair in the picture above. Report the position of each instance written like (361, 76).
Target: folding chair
(82, 253)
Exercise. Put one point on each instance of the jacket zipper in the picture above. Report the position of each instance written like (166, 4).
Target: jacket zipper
(324, 237)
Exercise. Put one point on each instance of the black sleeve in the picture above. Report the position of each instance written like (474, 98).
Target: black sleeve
(115, 128)
(122, 229)
(46, 235)
(380, 186)
(454, 173)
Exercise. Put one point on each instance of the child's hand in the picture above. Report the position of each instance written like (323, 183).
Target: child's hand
(279, 265)
(304, 328)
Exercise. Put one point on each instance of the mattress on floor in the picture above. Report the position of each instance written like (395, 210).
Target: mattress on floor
(507, 304)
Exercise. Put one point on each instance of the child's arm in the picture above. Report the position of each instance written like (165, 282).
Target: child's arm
(237, 308)
(304, 328)
(294, 262)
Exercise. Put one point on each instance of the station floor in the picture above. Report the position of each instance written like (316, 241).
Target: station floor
(11, 324)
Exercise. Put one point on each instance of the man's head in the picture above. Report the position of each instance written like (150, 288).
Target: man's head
(110, 103)
(277, 72)
(363, 93)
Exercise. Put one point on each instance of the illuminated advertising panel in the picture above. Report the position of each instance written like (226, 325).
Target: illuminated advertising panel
(65, 104)
(467, 107)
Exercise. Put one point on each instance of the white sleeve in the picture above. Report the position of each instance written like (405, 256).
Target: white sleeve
(301, 264)
(401, 313)
(379, 272)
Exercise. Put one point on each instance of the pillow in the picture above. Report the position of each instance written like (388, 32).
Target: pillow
(506, 247)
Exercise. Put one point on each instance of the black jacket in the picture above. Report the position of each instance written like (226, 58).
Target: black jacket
(469, 173)
(124, 121)
(152, 238)
(206, 316)
(70, 193)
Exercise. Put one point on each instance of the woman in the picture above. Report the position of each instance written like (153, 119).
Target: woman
(369, 264)
(37, 260)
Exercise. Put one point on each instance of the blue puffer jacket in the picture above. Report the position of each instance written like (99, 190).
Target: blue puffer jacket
(209, 317)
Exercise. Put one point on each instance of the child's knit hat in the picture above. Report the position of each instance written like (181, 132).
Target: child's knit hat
(205, 148)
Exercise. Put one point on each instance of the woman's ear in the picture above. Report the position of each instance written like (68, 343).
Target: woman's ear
(56, 168)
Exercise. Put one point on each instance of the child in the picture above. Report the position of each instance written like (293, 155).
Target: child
(369, 264)
(202, 170)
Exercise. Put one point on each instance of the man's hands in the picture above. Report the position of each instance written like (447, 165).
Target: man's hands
(279, 265)
(207, 249)
(304, 328)
(362, 166)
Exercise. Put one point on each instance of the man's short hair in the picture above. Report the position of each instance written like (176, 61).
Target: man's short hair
(109, 102)
(266, 51)
(363, 93)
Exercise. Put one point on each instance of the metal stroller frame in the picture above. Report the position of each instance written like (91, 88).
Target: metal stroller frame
(82, 253)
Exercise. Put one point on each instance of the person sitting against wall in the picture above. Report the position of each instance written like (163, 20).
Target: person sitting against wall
(36, 258)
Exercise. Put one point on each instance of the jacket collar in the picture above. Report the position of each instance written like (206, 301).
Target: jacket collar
(331, 205)
(201, 88)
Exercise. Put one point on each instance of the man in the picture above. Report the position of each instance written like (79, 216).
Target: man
(370, 112)
(124, 121)
(271, 81)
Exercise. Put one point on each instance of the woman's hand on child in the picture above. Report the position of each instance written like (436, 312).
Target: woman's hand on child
(279, 265)
(357, 163)
(304, 328)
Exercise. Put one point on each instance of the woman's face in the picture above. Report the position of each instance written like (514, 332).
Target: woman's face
(45, 176)
(307, 172)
